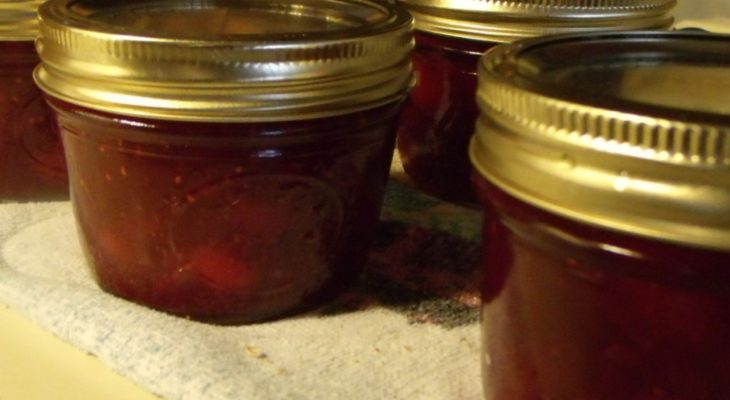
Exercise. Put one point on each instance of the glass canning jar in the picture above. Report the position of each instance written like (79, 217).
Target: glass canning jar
(439, 116)
(606, 182)
(32, 165)
(227, 159)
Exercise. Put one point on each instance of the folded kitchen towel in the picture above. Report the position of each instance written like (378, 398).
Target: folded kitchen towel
(407, 330)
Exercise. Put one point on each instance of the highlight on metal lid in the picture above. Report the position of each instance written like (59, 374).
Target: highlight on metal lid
(225, 60)
(628, 131)
(509, 20)
(19, 20)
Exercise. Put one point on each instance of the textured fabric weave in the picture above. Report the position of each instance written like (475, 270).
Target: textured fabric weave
(408, 330)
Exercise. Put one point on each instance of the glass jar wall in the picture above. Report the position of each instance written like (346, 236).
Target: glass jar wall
(32, 166)
(439, 120)
(572, 311)
(227, 219)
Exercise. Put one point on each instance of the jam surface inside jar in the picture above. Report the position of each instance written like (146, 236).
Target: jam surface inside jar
(439, 116)
(229, 222)
(572, 311)
(32, 165)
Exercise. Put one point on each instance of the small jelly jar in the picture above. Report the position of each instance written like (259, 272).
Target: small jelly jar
(31, 166)
(603, 162)
(227, 159)
(438, 119)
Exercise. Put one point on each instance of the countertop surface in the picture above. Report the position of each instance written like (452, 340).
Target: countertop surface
(35, 365)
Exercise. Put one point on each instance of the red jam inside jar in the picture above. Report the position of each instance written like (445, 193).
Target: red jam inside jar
(217, 220)
(606, 228)
(438, 119)
(32, 166)
(236, 173)
(572, 311)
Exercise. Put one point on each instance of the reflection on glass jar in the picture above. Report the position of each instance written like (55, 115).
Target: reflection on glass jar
(439, 117)
(243, 187)
(606, 224)
(32, 166)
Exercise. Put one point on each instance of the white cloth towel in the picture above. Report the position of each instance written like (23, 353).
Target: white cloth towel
(373, 353)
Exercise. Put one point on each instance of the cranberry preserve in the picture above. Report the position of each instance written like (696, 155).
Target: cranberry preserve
(606, 186)
(246, 182)
(439, 117)
(438, 120)
(32, 165)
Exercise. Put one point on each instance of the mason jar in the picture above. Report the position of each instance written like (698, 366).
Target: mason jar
(227, 159)
(31, 166)
(603, 162)
(439, 117)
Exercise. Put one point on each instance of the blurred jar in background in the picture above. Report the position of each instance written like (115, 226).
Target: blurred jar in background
(31, 156)
(603, 162)
(450, 36)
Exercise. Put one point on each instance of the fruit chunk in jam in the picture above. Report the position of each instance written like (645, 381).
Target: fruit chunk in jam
(438, 119)
(32, 166)
(576, 312)
(227, 222)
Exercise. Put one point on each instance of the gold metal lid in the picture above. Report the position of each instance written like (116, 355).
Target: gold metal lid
(19, 20)
(225, 60)
(507, 20)
(627, 131)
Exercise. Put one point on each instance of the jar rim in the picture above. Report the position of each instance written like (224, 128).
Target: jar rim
(603, 129)
(505, 21)
(19, 20)
(224, 60)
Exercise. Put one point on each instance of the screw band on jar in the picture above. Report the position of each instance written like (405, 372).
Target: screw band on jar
(617, 141)
(503, 21)
(353, 61)
(19, 20)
